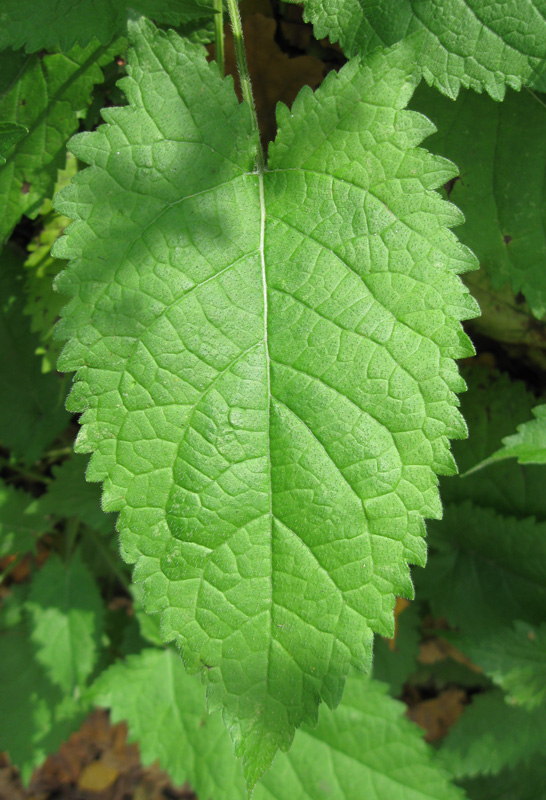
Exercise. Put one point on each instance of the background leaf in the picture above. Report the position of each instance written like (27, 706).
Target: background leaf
(340, 759)
(31, 412)
(500, 189)
(471, 43)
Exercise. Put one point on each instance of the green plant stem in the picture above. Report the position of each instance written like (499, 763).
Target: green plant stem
(244, 76)
(219, 34)
(23, 472)
(107, 556)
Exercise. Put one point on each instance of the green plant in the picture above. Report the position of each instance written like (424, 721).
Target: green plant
(264, 344)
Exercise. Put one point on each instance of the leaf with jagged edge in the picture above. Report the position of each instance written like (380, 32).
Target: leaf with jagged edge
(525, 782)
(265, 365)
(63, 24)
(21, 522)
(31, 411)
(485, 570)
(515, 659)
(66, 610)
(528, 445)
(493, 406)
(10, 133)
(366, 748)
(500, 149)
(44, 94)
(43, 303)
(37, 716)
(476, 44)
(492, 734)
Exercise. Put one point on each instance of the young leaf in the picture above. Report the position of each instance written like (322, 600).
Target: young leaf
(52, 24)
(486, 570)
(501, 190)
(528, 445)
(45, 95)
(37, 716)
(492, 734)
(67, 613)
(476, 44)
(21, 523)
(31, 412)
(164, 710)
(265, 363)
(515, 659)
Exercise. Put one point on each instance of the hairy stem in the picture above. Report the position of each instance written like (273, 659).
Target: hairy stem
(219, 34)
(244, 76)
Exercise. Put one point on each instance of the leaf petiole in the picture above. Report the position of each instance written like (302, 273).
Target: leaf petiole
(244, 77)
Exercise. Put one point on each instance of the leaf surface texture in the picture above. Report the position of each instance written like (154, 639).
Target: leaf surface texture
(265, 366)
(477, 44)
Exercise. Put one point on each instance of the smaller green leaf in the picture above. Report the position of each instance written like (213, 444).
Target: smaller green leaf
(492, 407)
(500, 189)
(528, 445)
(32, 412)
(46, 95)
(485, 570)
(491, 735)
(10, 133)
(37, 716)
(67, 615)
(21, 522)
(515, 659)
(364, 749)
(70, 495)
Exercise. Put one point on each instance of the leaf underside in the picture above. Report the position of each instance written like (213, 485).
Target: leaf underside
(476, 44)
(265, 366)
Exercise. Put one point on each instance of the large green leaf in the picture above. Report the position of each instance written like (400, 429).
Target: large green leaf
(10, 133)
(66, 611)
(31, 412)
(476, 44)
(492, 734)
(365, 749)
(52, 24)
(45, 95)
(265, 365)
(500, 190)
